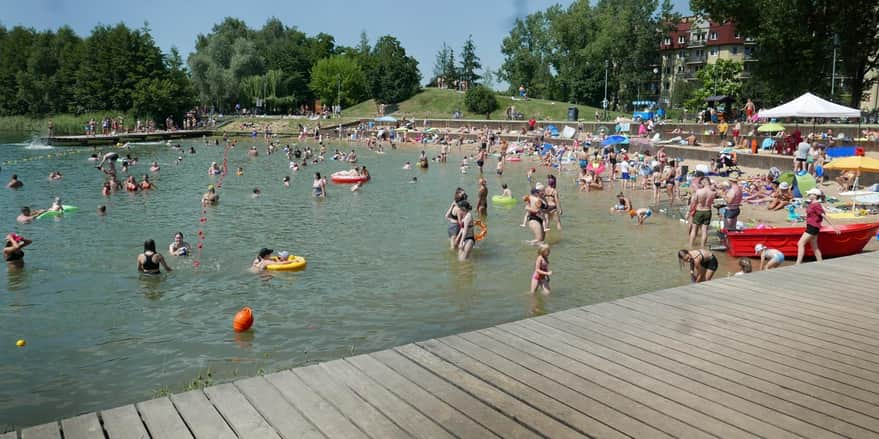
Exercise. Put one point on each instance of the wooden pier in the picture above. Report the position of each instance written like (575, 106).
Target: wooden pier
(113, 139)
(792, 352)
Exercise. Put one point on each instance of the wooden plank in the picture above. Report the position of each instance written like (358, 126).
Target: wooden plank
(821, 311)
(317, 410)
(162, 420)
(200, 416)
(693, 409)
(607, 396)
(285, 418)
(389, 404)
(802, 414)
(535, 395)
(763, 344)
(123, 423)
(776, 322)
(458, 423)
(480, 412)
(239, 413)
(365, 416)
(510, 405)
(49, 430)
(804, 394)
(562, 392)
(85, 426)
(672, 383)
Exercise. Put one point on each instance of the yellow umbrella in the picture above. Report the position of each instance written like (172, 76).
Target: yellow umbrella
(855, 163)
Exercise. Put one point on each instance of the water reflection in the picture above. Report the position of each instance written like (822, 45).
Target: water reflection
(17, 279)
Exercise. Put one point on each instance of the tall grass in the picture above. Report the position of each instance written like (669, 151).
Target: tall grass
(65, 124)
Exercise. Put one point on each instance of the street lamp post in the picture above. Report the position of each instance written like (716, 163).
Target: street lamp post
(833, 75)
(604, 102)
(339, 96)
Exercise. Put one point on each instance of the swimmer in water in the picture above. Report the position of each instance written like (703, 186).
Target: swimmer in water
(12, 253)
(286, 181)
(102, 210)
(540, 277)
(642, 214)
(264, 259)
(146, 183)
(356, 187)
(466, 238)
(530, 173)
(319, 186)
(155, 167)
(240, 171)
(210, 198)
(55, 176)
(407, 166)
(56, 206)
(256, 192)
(27, 215)
(149, 261)
(14, 182)
(131, 185)
(179, 247)
(214, 169)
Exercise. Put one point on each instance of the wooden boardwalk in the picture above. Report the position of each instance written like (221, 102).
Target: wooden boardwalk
(788, 353)
(113, 139)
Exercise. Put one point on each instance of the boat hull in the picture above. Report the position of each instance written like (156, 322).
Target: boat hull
(851, 240)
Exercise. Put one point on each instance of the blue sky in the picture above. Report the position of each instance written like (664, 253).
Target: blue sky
(419, 25)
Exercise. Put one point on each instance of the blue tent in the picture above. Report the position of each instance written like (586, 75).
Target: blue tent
(547, 147)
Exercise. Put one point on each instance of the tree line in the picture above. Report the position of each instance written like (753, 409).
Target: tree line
(276, 68)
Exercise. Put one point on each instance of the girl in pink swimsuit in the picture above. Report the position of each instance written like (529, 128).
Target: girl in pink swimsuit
(541, 271)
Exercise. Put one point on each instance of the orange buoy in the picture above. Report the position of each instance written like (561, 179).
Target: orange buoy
(243, 320)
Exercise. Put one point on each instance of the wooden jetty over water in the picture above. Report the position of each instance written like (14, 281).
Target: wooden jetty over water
(113, 139)
(792, 352)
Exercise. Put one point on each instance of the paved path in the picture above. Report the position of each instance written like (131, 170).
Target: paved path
(788, 353)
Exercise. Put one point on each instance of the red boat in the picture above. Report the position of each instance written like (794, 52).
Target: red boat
(851, 240)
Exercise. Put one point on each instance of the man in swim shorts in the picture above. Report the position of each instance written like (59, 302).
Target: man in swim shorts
(701, 204)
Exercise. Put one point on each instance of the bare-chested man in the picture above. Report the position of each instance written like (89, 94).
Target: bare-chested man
(701, 204)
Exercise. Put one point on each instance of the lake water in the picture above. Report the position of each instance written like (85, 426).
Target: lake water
(379, 270)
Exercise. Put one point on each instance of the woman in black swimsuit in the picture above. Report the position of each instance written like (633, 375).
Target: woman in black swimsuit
(149, 261)
(703, 263)
(12, 252)
(535, 220)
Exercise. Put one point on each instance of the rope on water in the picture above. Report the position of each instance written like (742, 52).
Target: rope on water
(204, 212)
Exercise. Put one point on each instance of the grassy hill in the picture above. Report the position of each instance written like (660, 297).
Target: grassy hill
(440, 104)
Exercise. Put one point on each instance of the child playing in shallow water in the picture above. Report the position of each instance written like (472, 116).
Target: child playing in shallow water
(541, 275)
(506, 192)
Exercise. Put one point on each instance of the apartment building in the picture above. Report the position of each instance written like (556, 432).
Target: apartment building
(696, 42)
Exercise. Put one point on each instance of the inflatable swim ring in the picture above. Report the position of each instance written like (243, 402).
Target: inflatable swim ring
(514, 159)
(501, 200)
(53, 213)
(483, 230)
(348, 179)
(294, 263)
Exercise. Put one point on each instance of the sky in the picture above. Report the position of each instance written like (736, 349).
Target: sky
(420, 26)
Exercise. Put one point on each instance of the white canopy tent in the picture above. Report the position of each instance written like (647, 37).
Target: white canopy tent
(809, 106)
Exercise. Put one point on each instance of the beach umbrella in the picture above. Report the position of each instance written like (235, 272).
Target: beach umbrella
(771, 127)
(856, 163)
(615, 139)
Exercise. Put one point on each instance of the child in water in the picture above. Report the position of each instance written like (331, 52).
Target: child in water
(541, 275)
(239, 172)
(745, 265)
(287, 181)
(506, 192)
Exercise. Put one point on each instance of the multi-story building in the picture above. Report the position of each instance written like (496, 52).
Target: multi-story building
(696, 42)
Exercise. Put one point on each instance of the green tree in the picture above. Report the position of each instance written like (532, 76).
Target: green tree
(481, 100)
(528, 54)
(392, 75)
(470, 62)
(338, 79)
(795, 42)
(440, 63)
(722, 78)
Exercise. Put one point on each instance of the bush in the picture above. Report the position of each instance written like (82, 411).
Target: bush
(481, 100)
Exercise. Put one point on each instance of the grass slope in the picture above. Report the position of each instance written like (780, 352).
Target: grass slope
(440, 104)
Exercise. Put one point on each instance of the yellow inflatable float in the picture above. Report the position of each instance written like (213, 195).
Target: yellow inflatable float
(293, 263)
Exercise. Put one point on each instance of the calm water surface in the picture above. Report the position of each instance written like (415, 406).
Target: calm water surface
(379, 271)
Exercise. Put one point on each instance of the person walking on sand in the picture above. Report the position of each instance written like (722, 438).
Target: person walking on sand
(540, 277)
(814, 217)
